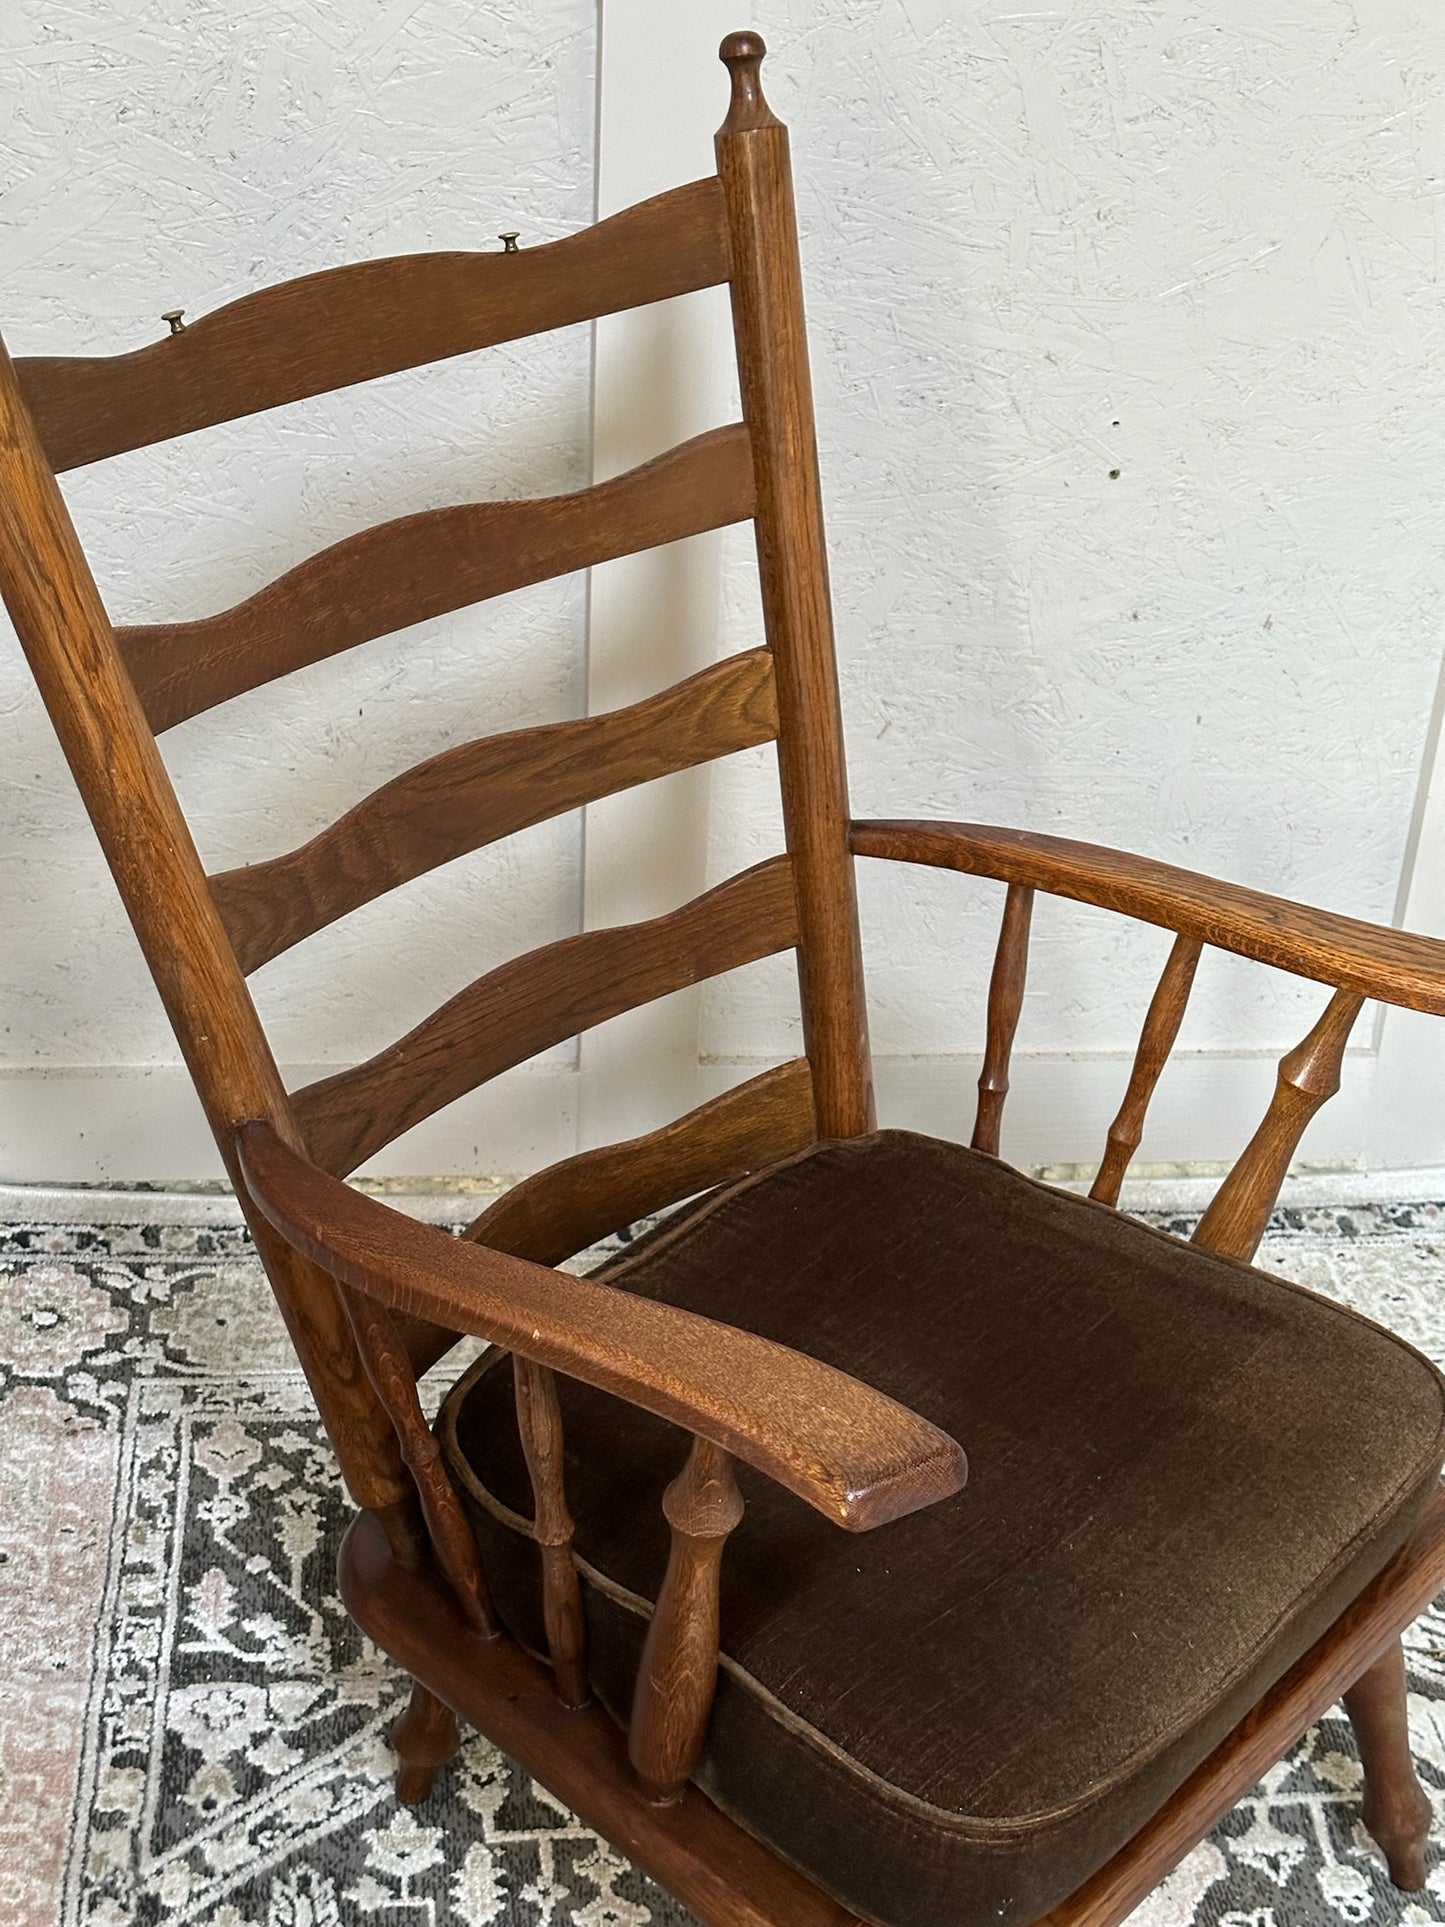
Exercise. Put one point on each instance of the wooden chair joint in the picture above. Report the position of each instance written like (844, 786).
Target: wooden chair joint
(539, 1000)
(677, 1675)
(1156, 1040)
(300, 338)
(419, 566)
(539, 1420)
(369, 1295)
(451, 1538)
(1239, 1212)
(481, 791)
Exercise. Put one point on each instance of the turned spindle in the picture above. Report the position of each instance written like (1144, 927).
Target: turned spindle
(539, 1420)
(1309, 1075)
(1156, 1040)
(389, 1369)
(677, 1676)
(1005, 1000)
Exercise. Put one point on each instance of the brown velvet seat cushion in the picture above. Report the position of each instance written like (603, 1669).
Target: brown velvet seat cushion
(1181, 1470)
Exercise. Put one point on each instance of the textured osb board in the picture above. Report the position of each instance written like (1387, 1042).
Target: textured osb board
(182, 155)
(1197, 244)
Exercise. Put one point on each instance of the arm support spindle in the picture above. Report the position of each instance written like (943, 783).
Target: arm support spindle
(1005, 1000)
(390, 1372)
(539, 1420)
(1156, 1040)
(677, 1677)
(1236, 1219)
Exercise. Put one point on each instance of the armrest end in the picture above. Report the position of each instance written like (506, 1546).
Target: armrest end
(852, 1453)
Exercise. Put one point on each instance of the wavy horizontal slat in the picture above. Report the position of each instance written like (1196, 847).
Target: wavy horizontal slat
(560, 1211)
(355, 323)
(405, 571)
(484, 790)
(1397, 966)
(539, 1000)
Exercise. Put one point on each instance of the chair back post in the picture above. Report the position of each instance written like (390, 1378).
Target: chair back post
(70, 644)
(767, 296)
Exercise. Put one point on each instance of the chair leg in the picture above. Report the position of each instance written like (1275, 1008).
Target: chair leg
(425, 1736)
(1397, 1810)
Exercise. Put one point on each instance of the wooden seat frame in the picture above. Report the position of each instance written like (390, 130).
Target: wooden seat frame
(371, 1298)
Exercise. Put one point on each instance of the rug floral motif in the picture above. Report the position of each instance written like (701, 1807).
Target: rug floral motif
(191, 1730)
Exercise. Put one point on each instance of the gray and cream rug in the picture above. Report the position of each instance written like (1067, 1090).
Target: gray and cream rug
(192, 1731)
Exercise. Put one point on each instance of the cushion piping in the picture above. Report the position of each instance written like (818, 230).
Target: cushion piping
(884, 1791)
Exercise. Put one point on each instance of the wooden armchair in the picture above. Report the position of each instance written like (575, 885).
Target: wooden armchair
(1203, 1502)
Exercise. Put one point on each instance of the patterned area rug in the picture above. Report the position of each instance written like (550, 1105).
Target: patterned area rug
(192, 1731)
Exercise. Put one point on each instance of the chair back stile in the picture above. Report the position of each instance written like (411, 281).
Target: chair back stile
(111, 689)
(835, 1755)
(70, 644)
(755, 168)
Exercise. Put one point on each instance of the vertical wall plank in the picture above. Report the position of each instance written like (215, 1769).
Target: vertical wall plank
(660, 375)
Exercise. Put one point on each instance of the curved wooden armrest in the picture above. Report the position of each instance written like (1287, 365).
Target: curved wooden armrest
(860, 1458)
(1396, 966)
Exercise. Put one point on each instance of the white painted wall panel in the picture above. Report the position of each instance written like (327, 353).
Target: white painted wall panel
(1185, 243)
(182, 156)
(1197, 247)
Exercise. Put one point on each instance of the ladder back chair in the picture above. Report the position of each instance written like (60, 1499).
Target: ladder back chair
(689, 1539)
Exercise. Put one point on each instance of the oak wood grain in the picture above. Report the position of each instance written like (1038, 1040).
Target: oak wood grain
(1005, 1001)
(1308, 1076)
(722, 1874)
(560, 1211)
(677, 1674)
(1396, 966)
(772, 350)
(481, 791)
(557, 1212)
(539, 1422)
(68, 640)
(447, 1526)
(418, 566)
(1156, 1040)
(539, 1000)
(853, 1454)
(352, 324)
(730, 1880)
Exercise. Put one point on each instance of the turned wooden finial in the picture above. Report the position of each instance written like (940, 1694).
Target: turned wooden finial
(743, 55)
